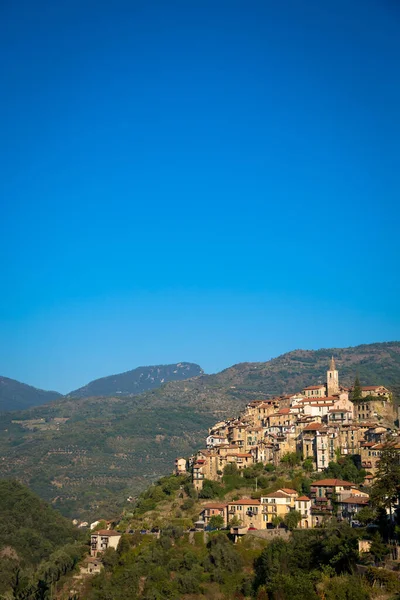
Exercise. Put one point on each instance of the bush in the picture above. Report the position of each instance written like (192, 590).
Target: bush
(211, 489)
(187, 504)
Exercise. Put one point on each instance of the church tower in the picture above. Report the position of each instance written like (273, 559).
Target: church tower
(332, 379)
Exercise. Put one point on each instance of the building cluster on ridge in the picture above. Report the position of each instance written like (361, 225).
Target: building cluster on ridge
(322, 424)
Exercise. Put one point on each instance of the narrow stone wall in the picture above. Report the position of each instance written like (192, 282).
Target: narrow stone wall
(270, 534)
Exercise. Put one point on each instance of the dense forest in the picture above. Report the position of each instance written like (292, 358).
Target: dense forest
(37, 545)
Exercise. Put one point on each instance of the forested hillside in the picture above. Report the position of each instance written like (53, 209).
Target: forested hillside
(31, 536)
(18, 396)
(87, 455)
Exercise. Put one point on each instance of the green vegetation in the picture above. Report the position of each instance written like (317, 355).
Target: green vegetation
(112, 448)
(136, 381)
(357, 391)
(313, 564)
(37, 545)
(19, 396)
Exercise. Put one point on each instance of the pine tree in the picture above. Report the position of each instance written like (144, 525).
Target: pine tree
(357, 391)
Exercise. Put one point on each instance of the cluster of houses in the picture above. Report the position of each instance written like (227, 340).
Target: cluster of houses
(322, 424)
(271, 509)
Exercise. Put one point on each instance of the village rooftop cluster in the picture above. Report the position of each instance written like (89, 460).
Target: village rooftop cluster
(322, 423)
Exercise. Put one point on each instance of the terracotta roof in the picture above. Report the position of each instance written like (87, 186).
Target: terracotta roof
(313, 427)
(369, 477)
(303, 499)
(332, 483)
(276, 494)
(283, 411)
(218, 505)
(288, 490)
(355, 500)
(367, 388)
(245, 501)
(338, 410)
(108, 532)
(243, 454)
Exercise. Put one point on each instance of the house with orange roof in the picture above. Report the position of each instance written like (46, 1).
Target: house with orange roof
(277, 504)
(303, 505)
(213, 509)
(247, 511)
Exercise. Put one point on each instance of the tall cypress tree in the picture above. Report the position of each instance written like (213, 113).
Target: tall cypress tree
(357, 391)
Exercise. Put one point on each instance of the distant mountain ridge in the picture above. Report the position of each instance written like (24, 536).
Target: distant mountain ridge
(137, 381)
(15, 395)
(86, 455)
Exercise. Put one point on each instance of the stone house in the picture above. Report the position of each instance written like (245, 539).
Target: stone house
(214, 509)
(247, 510)
(103, 539)
(91, 566)
(180, 466)
(277, 504)
(303, 506)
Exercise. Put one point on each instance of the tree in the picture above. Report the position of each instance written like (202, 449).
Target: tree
(291, 458)
(366, 515)
(292, 519)
(222, 554)
(385, 490)
(216, 522)
(211, 489)
(378, 549)
(308, 465)
(276, 521)
(235, 521)
(357, 391)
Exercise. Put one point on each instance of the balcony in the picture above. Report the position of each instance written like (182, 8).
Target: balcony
(269, 508)
(318, 510)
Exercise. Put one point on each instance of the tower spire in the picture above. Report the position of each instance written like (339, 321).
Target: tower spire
(332, 366)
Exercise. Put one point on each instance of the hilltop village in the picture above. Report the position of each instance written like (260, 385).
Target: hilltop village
(322, 424)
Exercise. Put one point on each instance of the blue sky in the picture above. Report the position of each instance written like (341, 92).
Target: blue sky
(212, 181)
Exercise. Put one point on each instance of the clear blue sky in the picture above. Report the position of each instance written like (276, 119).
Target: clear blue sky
(212, 181)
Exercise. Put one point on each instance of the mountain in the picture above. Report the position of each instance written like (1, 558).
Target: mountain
(87, 455)
(138, 380)
(18, 396)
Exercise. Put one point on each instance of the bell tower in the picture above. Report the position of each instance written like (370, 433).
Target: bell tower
(332, 379)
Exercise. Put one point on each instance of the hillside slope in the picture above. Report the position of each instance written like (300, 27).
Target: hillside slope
(15, 395)
(138, 380)
(30, 531)
(88, 455)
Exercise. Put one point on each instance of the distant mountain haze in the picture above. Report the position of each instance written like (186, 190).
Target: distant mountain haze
(87, 455)
(15, 395)
(19, 396)
(136, 381)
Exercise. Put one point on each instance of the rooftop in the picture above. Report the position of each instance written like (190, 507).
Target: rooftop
(245, 501)
(332, 483)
